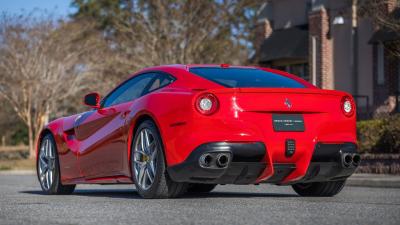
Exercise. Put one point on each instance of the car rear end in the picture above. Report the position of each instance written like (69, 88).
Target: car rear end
(266, 126)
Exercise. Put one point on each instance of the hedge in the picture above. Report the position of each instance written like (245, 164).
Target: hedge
(379, 135)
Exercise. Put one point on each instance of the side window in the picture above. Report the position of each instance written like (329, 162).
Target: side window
(160, 81)
(130, 90)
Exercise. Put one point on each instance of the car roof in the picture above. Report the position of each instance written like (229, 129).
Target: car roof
(188, 66)
(218, 65)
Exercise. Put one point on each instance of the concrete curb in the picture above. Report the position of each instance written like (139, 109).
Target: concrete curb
(374, 180)
(356, 180)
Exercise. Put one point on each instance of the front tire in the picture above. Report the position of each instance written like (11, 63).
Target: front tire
(48, 168)
(148, 165)
(322, 189)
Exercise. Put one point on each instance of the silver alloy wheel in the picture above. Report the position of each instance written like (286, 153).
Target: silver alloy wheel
(144, 157)
(46, 163)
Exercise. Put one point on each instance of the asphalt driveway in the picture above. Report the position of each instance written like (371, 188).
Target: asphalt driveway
(21, 202)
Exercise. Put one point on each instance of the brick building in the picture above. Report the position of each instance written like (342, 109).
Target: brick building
(329, 44)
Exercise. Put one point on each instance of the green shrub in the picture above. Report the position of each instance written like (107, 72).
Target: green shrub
(379, 135)
(20, 136)
(369, 133)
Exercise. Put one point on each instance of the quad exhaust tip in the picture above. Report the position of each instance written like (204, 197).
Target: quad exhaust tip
(220, 160)
(349, 159)
(356, 159)
(206, 160)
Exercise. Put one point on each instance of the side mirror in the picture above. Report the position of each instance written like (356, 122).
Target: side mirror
(92, 100)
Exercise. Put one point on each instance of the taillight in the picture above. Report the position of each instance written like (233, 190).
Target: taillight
(207, 104)
(348, 106)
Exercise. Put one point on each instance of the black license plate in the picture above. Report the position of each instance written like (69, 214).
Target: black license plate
(288, 122)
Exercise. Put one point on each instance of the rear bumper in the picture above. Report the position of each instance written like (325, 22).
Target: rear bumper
(245, 164)
(248, 161)
(328, 163)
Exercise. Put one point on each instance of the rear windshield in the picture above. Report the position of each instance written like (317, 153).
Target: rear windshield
(245, 78)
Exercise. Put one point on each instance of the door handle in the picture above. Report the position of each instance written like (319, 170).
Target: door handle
(124, 114)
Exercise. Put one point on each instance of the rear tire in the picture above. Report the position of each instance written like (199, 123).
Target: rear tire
(201, 188)
(322, 189)
(161, 186)
(48, 160)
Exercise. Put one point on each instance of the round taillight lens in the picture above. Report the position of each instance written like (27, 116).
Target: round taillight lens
(348, 106)
(207, 104)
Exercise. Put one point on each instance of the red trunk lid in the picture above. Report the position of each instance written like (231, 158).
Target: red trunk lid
(288, 100)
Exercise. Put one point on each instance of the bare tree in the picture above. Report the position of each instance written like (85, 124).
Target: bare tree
(42, 62)
(153, 32)
(378, 11)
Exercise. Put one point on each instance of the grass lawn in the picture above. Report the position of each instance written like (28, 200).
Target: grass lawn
(15, 158)
(17, 164)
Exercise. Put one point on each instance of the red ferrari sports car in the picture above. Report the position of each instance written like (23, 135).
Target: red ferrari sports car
(186, 128)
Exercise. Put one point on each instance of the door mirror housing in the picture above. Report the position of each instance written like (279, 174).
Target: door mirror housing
(92, 100)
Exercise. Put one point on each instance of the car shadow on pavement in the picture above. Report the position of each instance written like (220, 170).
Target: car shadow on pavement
(132, 194)
(219, 194)
(116, 193)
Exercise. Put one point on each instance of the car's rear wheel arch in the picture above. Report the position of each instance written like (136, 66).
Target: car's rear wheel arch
(140, 120)
(136, 124)
(151, 159)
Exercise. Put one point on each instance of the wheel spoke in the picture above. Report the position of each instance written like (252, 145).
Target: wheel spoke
(147, 138)
(152, 162)
(47, 148)
(137, 143)
(149, 176)
(143, 179)
(50, 175)
(42, 176)
(142, 141)
(41, 153)
(50, 151)
(150, 148)
(153, 155)
(45, 168)
(42, 162)
(151, 168)
(141, 152)
(48, 179)
(141, 175)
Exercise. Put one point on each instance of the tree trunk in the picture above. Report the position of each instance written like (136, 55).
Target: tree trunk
(31, 138)
(34, 131)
